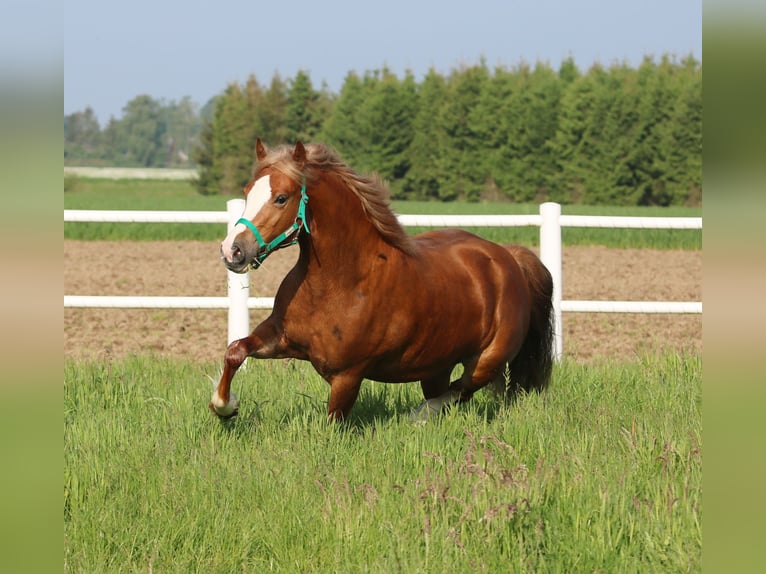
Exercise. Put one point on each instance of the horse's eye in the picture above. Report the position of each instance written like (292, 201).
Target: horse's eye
(281, 199)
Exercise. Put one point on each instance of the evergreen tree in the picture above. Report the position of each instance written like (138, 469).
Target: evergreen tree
(226, 151)
(272, 112)
(686, 143)
(654, 107)
(666, 138)
(489, 120)
(233, 132)
(208, 172)
(460, 158)
(424, 180)
(342, 129)
(206, 111)
(386, 121)
(518, 113)
(536, 161)
(302, 118)
(586, 122)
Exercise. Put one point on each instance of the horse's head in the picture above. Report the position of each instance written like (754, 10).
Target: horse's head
(274, 215)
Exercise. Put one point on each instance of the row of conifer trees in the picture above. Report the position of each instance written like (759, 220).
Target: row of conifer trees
(616, 135)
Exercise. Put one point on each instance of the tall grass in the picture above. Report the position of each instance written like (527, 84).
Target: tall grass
(600, 473)
(180, 195)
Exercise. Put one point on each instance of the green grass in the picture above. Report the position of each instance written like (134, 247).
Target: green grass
(600, 473)
(180, 195)
(134, 194)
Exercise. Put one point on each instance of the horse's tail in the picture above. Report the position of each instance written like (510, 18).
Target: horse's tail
(530, 369)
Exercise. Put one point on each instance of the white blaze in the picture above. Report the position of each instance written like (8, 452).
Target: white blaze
(259, 194)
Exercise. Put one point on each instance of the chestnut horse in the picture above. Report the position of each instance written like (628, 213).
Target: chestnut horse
(366, 300)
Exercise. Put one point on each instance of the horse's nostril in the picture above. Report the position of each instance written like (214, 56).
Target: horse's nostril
(237, 256)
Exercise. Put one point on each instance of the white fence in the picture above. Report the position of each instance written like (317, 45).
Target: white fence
(550, 221)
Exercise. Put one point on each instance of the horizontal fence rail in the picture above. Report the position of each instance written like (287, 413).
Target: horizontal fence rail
(118, 216)
(627, 222)
(136, 302)
(549, 220)
(677, 307)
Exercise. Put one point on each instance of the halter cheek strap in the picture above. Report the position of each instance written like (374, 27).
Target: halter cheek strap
(280, 240)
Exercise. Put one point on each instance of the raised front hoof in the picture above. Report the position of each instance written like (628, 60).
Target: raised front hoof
(223, 417)
(224, 411)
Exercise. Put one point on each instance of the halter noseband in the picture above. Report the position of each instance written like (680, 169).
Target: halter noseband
(280, 240)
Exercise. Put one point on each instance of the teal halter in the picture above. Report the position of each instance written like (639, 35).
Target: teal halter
(280, 240)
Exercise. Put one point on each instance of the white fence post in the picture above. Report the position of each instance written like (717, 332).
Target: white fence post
(239, 283)
(550, 254)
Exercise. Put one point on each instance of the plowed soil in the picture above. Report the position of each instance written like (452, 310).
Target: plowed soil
(193, 269)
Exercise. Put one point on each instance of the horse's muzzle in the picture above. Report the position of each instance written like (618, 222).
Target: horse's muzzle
(237, 260)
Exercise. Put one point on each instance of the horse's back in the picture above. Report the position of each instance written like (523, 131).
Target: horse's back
(478, 273)
(443, 238)
(466, 253)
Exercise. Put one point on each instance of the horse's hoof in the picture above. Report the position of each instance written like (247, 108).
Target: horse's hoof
(223, 417)
(224, 411)
(434, 407)
(424, 412)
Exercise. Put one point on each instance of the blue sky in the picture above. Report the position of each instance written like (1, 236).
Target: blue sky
(169, 49)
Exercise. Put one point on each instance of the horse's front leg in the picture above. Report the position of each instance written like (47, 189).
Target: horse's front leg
(344, 388)
(261, 343)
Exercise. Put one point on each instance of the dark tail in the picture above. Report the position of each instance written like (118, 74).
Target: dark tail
(531, 368)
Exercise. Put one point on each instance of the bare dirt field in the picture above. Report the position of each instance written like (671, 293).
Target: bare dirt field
(194, 269)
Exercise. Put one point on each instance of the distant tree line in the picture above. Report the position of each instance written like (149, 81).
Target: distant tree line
(151, 133)
(616, 135)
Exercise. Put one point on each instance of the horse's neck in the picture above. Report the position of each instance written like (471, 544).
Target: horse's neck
(343, 240)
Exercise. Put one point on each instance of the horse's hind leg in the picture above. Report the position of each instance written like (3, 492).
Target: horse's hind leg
(437, 385)
(479, 372)
(437, 394)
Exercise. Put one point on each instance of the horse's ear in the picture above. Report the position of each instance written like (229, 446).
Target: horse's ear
(260, 150)
(299, 154)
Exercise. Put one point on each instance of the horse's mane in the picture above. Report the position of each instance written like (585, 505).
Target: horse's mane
(370, 189)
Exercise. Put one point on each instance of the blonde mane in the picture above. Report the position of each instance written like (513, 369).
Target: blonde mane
(371, 190)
